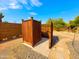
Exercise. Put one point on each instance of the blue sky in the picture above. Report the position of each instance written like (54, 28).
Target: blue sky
(15, 10)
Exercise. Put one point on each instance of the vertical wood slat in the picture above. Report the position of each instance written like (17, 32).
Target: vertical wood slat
(8, 30)
(31, 31)
(47, 31)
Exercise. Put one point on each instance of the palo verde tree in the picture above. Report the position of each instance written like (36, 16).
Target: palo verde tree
(72, 24)
(76, 21)
(49, 21)
(57, 23)
(1, 16)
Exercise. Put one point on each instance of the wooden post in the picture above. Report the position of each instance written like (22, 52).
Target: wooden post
(50, 35)
(1, 16)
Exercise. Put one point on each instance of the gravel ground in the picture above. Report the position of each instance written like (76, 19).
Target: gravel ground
(65, 48)
(14, 49)
(10, 43)
(20, 52)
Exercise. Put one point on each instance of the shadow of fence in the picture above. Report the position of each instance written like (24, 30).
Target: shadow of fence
(42, 40)
(9, 39)
(55, 40)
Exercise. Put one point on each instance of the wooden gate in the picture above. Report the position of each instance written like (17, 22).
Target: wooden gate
(47, 31)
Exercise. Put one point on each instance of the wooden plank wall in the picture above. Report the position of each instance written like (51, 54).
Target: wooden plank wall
(36, 31)
(45, 28)
(47, 31)
(8, 30)
(31, 31)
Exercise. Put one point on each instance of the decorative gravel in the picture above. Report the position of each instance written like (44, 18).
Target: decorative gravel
(20, 52)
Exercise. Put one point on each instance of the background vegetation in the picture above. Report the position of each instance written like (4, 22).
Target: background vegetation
(60, 23)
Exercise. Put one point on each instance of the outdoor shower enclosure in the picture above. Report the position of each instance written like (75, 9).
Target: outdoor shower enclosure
(31, 31)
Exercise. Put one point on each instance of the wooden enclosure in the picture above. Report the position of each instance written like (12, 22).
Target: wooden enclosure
(8, 30)
(45, 29)
(31, 31)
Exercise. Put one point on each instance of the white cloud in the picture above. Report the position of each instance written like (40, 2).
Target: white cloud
(23, 1)
(9, 4)
(3, 8)
(33, 13)
(28, 17)
(18, 4)
(14, 6)
(28, 7)
(36, 3)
